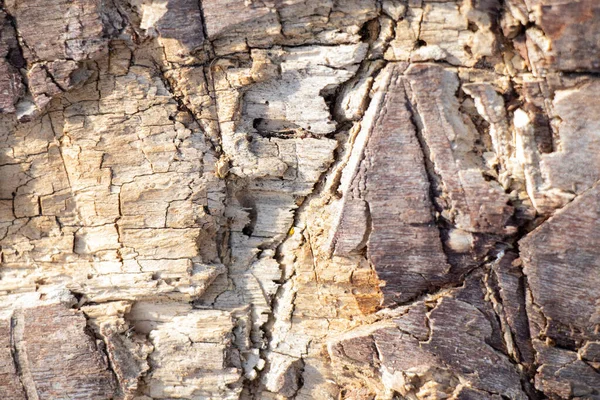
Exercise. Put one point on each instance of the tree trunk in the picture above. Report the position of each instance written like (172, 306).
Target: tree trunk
(310, 199)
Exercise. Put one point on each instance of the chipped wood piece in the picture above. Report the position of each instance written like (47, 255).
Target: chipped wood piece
(473, 204)
(579, 141)
(562, 375)
(401, 238)
(11, 386)
(511, 287)
(11, 86)
(564, 37)
(178, 25)
(561, 263)
(455, 350)
(72, 33)
(450, 31)
(49, 343)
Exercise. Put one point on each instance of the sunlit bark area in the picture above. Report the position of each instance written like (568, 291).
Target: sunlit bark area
(299, 199)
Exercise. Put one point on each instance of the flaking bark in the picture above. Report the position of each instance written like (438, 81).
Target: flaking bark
(308, 199)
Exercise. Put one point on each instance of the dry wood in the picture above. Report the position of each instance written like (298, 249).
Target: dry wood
(308, 199)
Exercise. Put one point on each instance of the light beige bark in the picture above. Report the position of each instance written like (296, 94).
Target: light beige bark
(340, 199)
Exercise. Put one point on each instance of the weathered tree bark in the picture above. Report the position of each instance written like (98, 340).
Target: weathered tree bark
(311, 199)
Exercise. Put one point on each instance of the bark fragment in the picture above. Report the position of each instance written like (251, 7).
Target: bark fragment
(456, 350)
(48, 344)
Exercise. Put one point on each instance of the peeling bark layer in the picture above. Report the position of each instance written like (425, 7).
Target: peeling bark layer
(303, 199)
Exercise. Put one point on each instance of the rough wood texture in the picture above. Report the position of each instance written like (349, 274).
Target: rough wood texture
(48, 344)
(308, 199)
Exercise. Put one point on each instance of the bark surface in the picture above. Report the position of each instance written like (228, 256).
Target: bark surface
(307, 199)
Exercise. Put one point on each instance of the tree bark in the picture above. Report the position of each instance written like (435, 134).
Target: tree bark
(309, 199)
